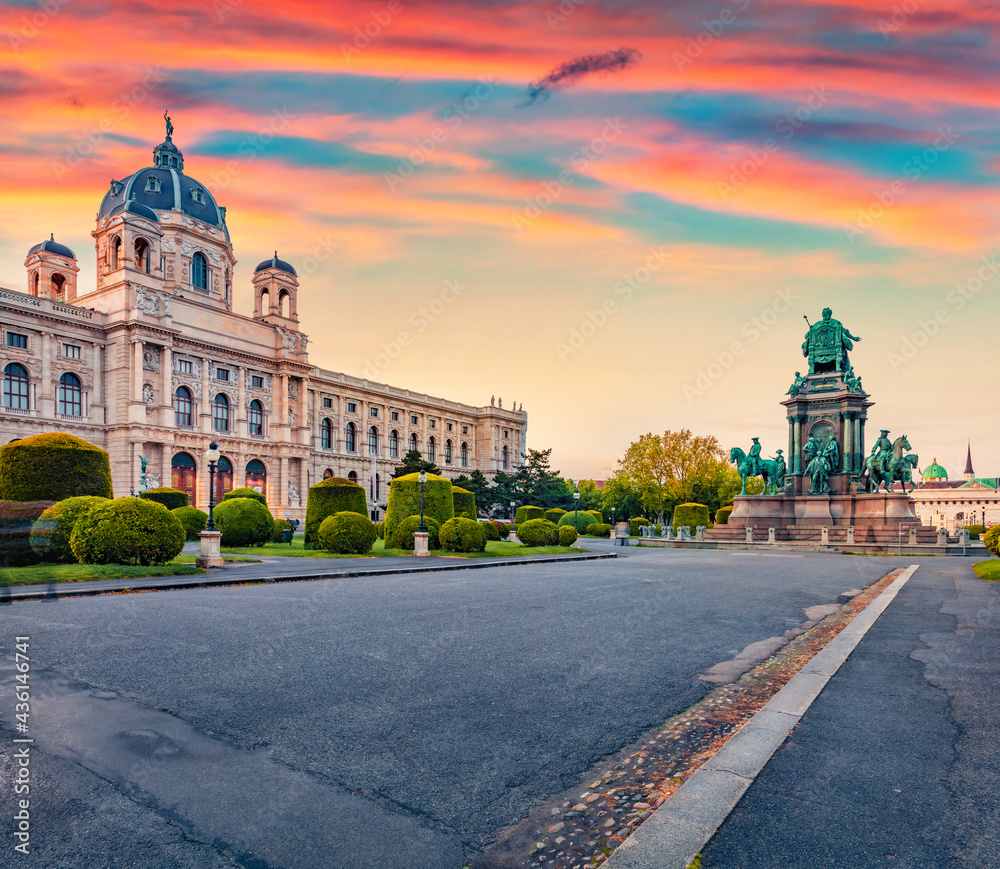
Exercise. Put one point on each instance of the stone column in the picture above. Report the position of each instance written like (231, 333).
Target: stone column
(137, 410)
(205, 405)
(303, 412)
(281, 498)
(798, 446)
(166, 392)
(47, 399)
(97, 368)
(848, 456)
(861, 442)
(791, 445)
(283, 421)
(241, 410)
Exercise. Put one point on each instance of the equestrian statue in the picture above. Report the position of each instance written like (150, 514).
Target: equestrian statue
(772, 471)
(887, 464)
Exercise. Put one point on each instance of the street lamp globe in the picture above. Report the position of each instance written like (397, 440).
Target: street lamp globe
(211, 456)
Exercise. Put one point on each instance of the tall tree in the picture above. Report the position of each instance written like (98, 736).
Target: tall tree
(413, 463)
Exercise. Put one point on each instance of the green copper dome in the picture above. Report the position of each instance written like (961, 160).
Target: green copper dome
(934, 472)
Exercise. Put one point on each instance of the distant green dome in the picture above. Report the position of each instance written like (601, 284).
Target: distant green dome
(934, 472)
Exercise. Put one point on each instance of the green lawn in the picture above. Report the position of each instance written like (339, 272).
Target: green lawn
(494, 549)
(43, 573)
(988, 569)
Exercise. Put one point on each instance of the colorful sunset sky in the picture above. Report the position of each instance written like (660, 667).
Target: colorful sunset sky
(639, 201)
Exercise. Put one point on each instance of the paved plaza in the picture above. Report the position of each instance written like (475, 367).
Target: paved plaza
(406, 720)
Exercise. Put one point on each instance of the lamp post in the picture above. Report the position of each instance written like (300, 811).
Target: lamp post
(512, 505)
(576, 511)
(612, 516)
(422, 477)
(211, 456)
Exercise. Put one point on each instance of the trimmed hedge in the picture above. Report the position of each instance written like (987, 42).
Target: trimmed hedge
(722, 515)
(538, 532)
(464, 502)
(401, 537)
(280, 526)
(462, 535)
(380, 530)
(527, 513)
(567, 535)
(246, 492)
(193, 520)
(583, 520)
(635, 524)
(991, 540)
(51, 531)
(404, 500)
(597, 515)
(127, 531)
(53, 467)
(17, 518)
(244, 522)
(330, 496)
(346, 533)
(503, 529)
(491, 530)
(599, 529)
(169, 498)
(691, 515)
(555, 514)
(975, 531)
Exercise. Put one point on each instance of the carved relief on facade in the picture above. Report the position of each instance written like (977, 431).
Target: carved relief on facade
(293, 389)
(150, 358)
(293, 491)
(167, 244)
(187, 248)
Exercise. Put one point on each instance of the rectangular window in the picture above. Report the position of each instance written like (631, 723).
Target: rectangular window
(185, 366)
(71, 351)
(433, 423)
(352, 407)
(222, 374)
(413, 419)
(506, 433)
(256, 381)
(449, 426)
(15, 340)
(373, 411)
(395, 416)
(465, 429)
(327, 402)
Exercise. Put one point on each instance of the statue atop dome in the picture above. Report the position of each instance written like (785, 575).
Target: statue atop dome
(170, 126)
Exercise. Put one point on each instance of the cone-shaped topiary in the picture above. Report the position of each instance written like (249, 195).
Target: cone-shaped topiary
(127, 531)
(464, 502)
(169, 498)
(53, 467)
(244, 522)
(346, 533)
(690, 514)
(193, 520)
(527, 512)
(402, 534)
(582, 520)
(333, 495)
(634, 526)
(722, 515)
(52, 530)
(245, 492)
(463, 535)
(404, 500)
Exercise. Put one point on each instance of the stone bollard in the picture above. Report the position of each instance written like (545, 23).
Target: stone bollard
(749, 533)
(850, 534)
(210, 553)
(699, 533)
(421, 548)
(770, 535)
(825, 537)
(668, 532)
(942, 537)
(684, 533)
(913, 535)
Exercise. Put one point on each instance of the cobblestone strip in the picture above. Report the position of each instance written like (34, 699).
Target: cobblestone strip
(581, 832)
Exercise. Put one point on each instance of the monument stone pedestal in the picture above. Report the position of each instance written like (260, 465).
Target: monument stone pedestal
(211, 555)
(421, 548)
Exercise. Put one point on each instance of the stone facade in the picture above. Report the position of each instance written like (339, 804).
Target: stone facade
(155, 363)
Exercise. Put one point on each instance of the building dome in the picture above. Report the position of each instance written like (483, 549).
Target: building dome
(53, 246)
(136, 208)
(275, 263)
(163, 187)
(934, 472)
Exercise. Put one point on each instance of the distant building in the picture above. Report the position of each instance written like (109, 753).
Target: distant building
(155, 363)
(954, 504)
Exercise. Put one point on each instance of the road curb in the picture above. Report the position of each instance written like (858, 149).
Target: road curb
(51, 590)
(676, 832)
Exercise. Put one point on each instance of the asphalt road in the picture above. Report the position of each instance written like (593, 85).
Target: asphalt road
(368, 721)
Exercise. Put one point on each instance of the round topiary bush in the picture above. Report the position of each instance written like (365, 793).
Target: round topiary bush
(51, 531)
(193, 520)
(555, 514)
(463, 535)
(17, 518)
(538, 532)
(975, 531)
(246, 492)
(722, 515)
(330, 496)
(635, 524)
(568, 535)
(597, 515)
(404, 500)
(581, 518)
(401, 537)
(464, 502)
(244, 522)
(527, 512)
(491, 530)
(691, 515)
(169, 498)
(599, 529)
(127, 531)
(991, 540)
(346, 533)
(52, 467)
(503, 529)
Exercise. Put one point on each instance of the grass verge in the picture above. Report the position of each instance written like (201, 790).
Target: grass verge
(989, 570)
(44, 573)
(494, 549)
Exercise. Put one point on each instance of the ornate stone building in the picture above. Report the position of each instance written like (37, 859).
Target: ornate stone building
(954, 504)
(155, 364)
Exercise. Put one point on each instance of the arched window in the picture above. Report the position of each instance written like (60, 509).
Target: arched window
(465, 454)
(182, 406)
(373, 441)
(70, 395)
(353, 476)
(326, 434)
(35, 283)
(327, 473)
(431, 448)
(15, 387)
(183, 475)
(255, 418)
(394, 444)
(256, 476)
(351, 438)
(142, 255)
(375, 488)
(413, 441)
(506, 458)
(116, 253)
(58, 287)
(220, 413)
(447, 451)
(265, 302)
(199, 272)
(283, 303)
(223, 478)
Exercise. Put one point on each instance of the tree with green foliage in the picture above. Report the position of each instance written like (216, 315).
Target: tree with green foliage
(414, 463)
(478, 485)
(619, 493)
